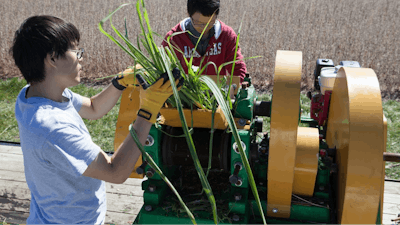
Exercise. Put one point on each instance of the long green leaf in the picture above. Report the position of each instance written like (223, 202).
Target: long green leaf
(203, 179)
(158, 170)
(220, 98)
(111, 37)
(234, 58)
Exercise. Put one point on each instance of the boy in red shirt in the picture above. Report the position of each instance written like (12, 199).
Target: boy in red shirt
(217, 44)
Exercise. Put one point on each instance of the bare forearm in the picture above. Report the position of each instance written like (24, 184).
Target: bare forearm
(124, 160)
(103, 102)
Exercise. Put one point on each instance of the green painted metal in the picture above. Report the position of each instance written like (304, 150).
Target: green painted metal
(378, 217)
(155, 150)
(160, 216)
(323, 195)
(239, 206)
(156, 193)
(310, 213)
(298, 214)
(160, 205)
(307, 120)
(247, 79)
(235, 157)
(244, 104)
(322, 180)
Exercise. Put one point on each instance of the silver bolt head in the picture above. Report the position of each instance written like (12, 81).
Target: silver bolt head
(239, 182)
(148, 208)
(238, 197)
(149, 174)
(275, 210)
(152, 188)
(238, 164)
(235, 218)
(149, 141)
(236, 148)
(242, 122)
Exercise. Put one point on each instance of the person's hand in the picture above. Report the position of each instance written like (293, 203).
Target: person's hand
(126, 79)
(154, 96)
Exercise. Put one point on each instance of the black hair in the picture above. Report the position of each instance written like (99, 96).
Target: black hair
(37, 37)
(205, 7)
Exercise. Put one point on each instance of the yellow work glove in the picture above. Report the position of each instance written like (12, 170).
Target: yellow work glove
(125, 79)
(154, 96)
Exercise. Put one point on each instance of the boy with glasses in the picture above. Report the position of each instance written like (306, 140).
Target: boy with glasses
(65, 171)
(217, 44)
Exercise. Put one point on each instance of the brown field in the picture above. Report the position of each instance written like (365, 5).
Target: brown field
(366, 31)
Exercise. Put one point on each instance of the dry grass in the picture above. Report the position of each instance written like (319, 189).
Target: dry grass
(361, 30)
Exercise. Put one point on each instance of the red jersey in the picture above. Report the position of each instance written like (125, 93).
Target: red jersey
(220, 49)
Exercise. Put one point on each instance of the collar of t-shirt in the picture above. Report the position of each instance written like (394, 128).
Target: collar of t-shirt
(203, 44)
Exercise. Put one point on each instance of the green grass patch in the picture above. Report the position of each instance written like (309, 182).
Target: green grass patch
(102, 130)
(9, 90)
(391, 109)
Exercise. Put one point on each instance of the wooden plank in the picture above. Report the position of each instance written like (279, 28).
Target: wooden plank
(131, 190)
(13, 204)
(124, 204)
(11, 162)
(20, 190)
(392, 187)
(119, 218)
(15, 189)
(11, 175)
(391, 198)
(387, 218)
(391, 208)
(11, 149)
(18, 217)
(13, 217)
(17, 211)
(131, 187)
(14, 210)
(14, 163)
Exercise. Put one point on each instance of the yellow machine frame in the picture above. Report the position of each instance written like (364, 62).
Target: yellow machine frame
(130, 103)
(356, 128)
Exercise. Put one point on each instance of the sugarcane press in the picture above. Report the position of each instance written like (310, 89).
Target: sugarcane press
(325, 168)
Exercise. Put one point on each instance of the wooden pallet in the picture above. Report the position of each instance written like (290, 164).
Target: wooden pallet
(123, 200)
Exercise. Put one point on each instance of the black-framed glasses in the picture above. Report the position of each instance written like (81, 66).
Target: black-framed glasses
(197, 24)
(79, 53)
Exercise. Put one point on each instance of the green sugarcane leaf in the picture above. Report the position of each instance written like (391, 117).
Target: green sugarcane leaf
(226, 110)
(111, 37)
(189, 140)
(158, 170)
(153, 44)
(126, 30)
(211, 137)
(234, 58)
(136, 54)
(149, 45)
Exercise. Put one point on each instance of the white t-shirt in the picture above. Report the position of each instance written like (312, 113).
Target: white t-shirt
(57, 149)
